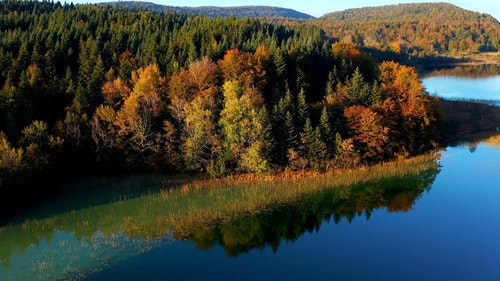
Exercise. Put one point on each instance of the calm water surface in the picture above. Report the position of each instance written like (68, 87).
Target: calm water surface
(452, 232)
(465, 82)
(440, 224)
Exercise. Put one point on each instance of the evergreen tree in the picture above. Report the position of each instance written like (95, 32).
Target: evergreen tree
(359, 89)
(267, 137)
(332, 82)
(281, 66)
(338, 144)
(291, 136)
(326, 132)
(286, 103)
(315, 148)
(376, 94)
(302, 108)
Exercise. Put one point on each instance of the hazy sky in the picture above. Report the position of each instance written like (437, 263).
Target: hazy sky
(319, 7)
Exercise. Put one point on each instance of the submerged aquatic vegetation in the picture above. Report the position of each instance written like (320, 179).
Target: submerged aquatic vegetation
(185, 208)
(209, 211)
(180, 206)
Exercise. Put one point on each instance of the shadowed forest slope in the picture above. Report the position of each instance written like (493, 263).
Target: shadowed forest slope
(214, 11)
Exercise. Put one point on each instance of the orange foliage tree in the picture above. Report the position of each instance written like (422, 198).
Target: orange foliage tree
(201, 77)
(369, 133)
(245, 68)
(412, 111)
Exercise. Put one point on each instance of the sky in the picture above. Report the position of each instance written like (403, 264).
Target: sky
(318, 8)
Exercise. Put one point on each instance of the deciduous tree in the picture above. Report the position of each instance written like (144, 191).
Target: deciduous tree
(368, 133)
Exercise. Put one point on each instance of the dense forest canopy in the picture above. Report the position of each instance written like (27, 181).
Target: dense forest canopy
(104, 89)
(409, 33)
(415, 30)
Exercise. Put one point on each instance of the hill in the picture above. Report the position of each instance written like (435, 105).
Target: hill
(213, 11)
(415, 30)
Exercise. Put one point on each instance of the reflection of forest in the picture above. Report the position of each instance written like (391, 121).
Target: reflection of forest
(465, 71)
(469, 121)
(214, 221)
(288, 223)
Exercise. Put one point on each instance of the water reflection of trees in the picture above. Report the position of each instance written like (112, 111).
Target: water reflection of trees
(465, 71)
(292, 221)
(201, 215)
(468, 122)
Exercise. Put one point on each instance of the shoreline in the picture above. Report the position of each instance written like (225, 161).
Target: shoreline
(464, 60)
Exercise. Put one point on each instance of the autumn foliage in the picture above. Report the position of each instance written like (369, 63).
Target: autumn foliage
(240, 96)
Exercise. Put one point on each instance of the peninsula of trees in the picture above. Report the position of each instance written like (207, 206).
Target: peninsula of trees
(105, 89)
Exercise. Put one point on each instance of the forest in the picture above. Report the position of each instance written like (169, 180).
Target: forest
(90, 89)
(415, 32)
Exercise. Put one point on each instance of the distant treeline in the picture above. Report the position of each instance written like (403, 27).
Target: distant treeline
(88, 89)
(213, 11)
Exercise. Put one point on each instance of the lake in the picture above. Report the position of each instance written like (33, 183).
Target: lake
(434, 217)
(479, 83)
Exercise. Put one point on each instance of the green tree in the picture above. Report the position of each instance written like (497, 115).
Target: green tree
(302, 108)
(199, 140)
(326, 132)
(332, 81)
(36, 133)
(314, 147)
(242, 128)
(291, 135)
(90, 73)
(359, 91)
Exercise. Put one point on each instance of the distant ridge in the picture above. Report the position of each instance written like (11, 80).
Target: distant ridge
(417, 30)
(213, 11)
(401, 12)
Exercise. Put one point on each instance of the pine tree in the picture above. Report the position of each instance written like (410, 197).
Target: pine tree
(23, 58)
(291, 136)
(314, 149)
(95, 83)
(302, 108)
(267, 137)
(360, 90)
(376, 94)
(326, 133)
(332, 82)
(286, 103)
(338, 144)
(281, 66)
(317, 148)
(308, 131)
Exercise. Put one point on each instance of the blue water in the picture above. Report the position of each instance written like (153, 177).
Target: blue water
(456, 87)
(452, 233)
